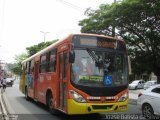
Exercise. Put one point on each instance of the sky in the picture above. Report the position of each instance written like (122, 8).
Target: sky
(22, 22)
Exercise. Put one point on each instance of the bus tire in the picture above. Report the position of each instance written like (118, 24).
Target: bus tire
(26, 93)
(50, 103)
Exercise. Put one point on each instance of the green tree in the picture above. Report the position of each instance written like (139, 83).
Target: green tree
(16, 66)
(35, 48)
(138, 22)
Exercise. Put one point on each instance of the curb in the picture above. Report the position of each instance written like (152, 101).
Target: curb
(9, 108)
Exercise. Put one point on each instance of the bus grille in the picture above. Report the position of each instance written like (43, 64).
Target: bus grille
(100, 100)
(102, 106)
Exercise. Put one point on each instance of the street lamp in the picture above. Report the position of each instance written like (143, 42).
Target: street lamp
(44, 34)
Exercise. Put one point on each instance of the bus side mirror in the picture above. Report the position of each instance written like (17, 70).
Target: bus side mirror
(71, 57)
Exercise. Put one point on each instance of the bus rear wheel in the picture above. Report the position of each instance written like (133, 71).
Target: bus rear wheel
(51, 104)
(26, 93)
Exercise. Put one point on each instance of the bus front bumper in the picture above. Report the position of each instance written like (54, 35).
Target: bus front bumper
(88, 108)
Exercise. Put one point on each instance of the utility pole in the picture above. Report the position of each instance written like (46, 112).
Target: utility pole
(113, 27)
(44, 34)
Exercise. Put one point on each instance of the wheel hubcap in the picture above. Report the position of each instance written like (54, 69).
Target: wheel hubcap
(147, 111)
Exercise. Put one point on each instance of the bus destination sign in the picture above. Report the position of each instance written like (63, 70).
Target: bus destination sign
(107, 43)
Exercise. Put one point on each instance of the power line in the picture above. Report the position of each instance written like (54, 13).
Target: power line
(71, 5)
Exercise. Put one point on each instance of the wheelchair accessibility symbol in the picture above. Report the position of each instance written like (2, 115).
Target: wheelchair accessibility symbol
(108, 80)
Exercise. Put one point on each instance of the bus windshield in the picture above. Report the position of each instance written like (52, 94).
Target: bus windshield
(99, 68)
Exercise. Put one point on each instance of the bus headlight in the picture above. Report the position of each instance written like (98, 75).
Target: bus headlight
(123, 97)
(77, 97)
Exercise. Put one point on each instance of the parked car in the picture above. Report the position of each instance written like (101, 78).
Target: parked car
(149, 84)
(9, 81)
(149, 102)
(136, 84)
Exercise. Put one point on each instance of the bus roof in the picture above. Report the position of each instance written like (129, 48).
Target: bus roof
(60, 41)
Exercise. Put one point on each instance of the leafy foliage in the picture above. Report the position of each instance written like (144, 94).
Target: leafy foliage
(16, 67)
(35, 48)
(138, 22)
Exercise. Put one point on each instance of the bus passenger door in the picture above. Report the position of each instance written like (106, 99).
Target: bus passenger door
(36, 71)
(63, 80)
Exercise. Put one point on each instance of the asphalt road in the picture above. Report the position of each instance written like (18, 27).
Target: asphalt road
(30, 110)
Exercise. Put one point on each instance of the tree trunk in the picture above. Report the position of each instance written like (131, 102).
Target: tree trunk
(158, 79)
(157, 73)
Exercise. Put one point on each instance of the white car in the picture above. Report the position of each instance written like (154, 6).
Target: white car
(136, 84)
(149, 102)
(149, 84)
(10, 81)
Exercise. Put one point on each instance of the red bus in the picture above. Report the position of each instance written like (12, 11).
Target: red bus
(81, 74)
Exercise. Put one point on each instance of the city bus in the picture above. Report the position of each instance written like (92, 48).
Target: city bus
(81, 74)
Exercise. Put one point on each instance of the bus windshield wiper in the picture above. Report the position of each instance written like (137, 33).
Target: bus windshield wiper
(99, 63)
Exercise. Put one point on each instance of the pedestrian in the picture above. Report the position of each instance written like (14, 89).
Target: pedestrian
(1, 82)
(4, 84)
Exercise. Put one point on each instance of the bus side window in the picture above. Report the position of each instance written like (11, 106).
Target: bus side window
(27, 68)
(52, 60)
(32, 66)
(42, 67)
